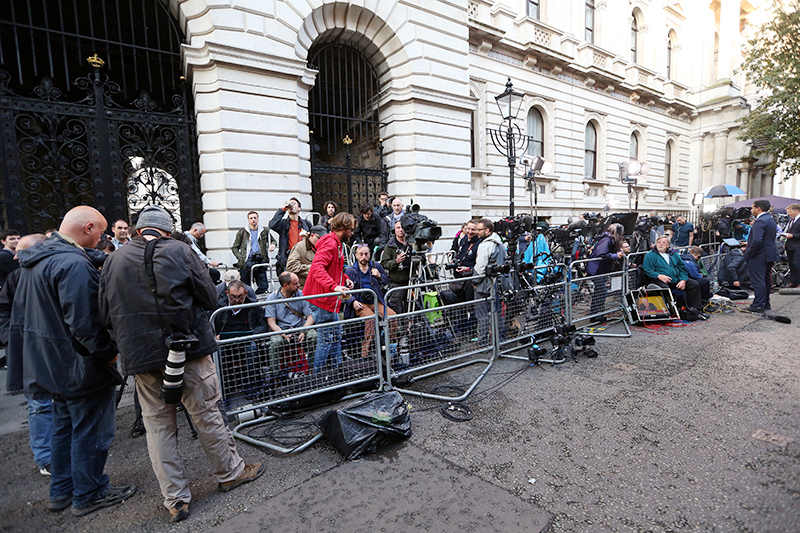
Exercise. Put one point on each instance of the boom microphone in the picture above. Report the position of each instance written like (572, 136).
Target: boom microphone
(781, 319)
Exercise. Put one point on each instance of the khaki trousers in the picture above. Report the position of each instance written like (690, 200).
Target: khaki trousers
(369, 326)
(200, 396)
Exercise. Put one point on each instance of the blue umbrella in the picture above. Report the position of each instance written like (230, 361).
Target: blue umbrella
(718, 191)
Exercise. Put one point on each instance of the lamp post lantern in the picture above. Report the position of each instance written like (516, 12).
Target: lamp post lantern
(511, 140)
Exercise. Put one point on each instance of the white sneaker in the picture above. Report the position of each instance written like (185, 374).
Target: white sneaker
(44, 470)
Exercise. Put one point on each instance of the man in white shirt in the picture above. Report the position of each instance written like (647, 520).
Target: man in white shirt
(198, 231)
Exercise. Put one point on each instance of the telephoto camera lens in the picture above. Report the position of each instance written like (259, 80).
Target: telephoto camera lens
(172, 385)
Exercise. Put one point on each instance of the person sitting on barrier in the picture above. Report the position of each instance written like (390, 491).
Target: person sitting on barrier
(733, 271)
(608, 254)
(369, 228)
(291, 229)
(383, 208)
(391, 220)
(302, 254)
(665, 268)
(327, 275)
(329, 211)
(697, 271)
(396, 260)
(290, 352)
(367, 274)
(250, 248)
(222, 288)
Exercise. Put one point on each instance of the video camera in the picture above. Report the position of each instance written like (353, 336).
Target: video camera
(418, 227)
(497, 270)
(510, 228)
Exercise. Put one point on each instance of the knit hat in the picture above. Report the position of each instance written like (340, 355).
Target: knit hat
(155, 216)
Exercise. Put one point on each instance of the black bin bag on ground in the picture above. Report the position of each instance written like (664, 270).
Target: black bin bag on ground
(375, 420)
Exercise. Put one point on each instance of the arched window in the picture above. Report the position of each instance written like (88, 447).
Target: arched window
(533, 8)
(590, 152)
(589, 19)
(672, 40)
(668, 165)
(634, 39)
(536, 132)
(634, 147)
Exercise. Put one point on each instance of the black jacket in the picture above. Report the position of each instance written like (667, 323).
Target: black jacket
(255, 318)
(368, 229)
(280, 224)
(57, 346)
(793, 242)
(6, 300)
(7, 264)
(184, 291)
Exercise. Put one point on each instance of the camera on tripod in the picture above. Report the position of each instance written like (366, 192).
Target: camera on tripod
(497, 270)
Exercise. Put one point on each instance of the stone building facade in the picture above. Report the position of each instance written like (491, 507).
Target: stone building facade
(604, 81)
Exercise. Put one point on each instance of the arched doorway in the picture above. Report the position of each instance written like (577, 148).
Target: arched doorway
(346, 148)
(93, 112)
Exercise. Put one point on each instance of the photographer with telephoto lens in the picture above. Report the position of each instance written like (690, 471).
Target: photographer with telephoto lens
(155, 293)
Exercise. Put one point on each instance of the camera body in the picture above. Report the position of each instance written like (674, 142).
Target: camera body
(497, 270)
(453, 266)
(181, 342)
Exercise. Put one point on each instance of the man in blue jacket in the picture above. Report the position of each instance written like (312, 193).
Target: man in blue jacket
(665, 268)
(58, 348)
(761, 255)
(367, 274)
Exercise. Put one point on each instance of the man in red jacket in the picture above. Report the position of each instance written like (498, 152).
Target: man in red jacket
(327, 275)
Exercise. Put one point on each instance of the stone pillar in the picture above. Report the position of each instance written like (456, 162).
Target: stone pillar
(728, 38)
(720, 156)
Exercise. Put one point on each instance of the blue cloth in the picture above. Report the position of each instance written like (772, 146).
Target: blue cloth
(254, 243)
(682, 234)
(329, 339)
(82, 433)
(365, 279)
(40, 425)
(354, 273)
(282, 315)
(541, 251)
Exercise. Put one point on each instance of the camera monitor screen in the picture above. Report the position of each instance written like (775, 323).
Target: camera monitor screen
(652, 307)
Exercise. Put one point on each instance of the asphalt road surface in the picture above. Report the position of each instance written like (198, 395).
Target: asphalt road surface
(697, 429)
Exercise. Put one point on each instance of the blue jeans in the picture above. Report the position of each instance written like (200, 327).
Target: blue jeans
(82, 433)
(329, 340)
(40, 424)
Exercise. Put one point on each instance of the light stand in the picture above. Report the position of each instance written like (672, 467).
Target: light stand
(508, 142)
(629, 172)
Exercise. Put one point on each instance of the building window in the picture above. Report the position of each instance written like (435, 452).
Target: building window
(669, 59)
(533, 9)
(634, 147)
(668, 165)
(536, 133)
(590, 21)
(634, 39)
(590, 152)
(472, 141)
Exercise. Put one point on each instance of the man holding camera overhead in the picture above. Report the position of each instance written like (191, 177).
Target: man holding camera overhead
(154, 293)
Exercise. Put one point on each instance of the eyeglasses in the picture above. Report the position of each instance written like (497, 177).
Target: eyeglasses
(237, 298)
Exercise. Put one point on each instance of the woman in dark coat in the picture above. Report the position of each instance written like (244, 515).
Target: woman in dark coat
(606, 254)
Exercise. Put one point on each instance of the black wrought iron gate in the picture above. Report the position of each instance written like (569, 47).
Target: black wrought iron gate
(346, 148)
(86, 139)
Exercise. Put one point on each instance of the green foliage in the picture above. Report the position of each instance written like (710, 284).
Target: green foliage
(772, 63)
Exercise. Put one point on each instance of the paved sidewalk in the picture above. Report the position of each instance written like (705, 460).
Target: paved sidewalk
(697, 430)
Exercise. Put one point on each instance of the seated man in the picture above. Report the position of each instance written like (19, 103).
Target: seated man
(369, 228)
(239, 374)
(367, 274)
(222, 288)
(665, 268)
(733, 271)
(696, 271)
(285, 316)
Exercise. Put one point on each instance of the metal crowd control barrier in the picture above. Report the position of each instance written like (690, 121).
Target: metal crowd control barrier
(268, 268)
(264, 369)
(443, 336)
(594, 296)
(536, 309)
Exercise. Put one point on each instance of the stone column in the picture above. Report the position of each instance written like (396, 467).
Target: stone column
(720, 156)
(728, 38)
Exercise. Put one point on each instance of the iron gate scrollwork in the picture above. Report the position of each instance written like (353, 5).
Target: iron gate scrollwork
(346, 149)
(59, 153)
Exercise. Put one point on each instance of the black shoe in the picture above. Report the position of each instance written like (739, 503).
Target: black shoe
(179, 511)
(59, 505)
(754, 309)
(114, 496)
(138, 429)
